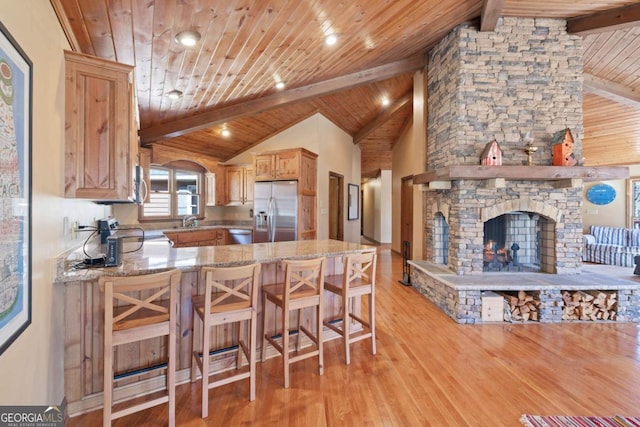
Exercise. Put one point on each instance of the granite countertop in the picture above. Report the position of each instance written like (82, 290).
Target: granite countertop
(156, 233)
(157, 254)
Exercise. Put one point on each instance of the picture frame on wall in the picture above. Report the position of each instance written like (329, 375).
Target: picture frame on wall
(15, 185)
(353, 202)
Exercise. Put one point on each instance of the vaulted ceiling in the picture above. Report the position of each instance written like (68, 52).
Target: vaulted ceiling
(228, 79)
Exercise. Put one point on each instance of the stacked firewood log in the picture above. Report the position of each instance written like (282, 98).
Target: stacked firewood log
(522, 306)
(589, 305)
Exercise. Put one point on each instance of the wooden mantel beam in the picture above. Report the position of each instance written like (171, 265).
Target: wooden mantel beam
(382, 117)
(611, 90)
(522, 173)
(491, 11)
(608, 20)
(258, 105)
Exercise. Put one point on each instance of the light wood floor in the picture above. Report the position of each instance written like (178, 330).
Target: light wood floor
(430, 371)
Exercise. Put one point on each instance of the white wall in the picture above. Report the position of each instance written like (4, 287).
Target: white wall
(377, 208)
(336, 153)
(369, 203)
(32, 367)
(409, 158)
(615, 213)
(385, 206)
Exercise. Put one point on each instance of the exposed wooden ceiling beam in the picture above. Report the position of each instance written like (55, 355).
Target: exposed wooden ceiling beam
(382, 117)
(255, 106)
(611, 90)
(491, 11)
(608, 20)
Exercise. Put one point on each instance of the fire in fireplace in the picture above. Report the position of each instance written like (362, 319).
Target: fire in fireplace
(512, 242)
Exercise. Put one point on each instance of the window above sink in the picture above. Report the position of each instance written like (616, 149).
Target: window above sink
(175, 192)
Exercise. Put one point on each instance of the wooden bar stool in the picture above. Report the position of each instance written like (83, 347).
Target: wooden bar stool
(357, 280)
(137, 308)
(302, 288)
(230, 295)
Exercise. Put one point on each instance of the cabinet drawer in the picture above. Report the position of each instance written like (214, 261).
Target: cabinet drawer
(492, 307)
(196, 238)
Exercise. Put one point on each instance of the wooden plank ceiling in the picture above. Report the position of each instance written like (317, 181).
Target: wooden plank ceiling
(228, 78)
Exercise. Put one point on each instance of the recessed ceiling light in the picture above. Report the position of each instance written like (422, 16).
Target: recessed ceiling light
(188, 38)
(280, 85)
(331, 39)
(225, 133)
(174, 94)
(385, 102)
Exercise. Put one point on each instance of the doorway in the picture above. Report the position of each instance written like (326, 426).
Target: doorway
(336, 206)
(406, 213)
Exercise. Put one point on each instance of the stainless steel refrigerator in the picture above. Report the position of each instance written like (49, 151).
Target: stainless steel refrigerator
(275, 208)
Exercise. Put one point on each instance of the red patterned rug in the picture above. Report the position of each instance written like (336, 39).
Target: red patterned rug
(563, 421)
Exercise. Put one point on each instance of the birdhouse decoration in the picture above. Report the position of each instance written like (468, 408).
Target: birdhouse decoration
(492, 154)
(562, 144)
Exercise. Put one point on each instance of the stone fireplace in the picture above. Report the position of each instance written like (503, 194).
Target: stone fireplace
(518, 85)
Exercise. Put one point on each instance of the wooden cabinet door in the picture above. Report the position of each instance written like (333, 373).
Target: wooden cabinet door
(221, 184)
(210, 189)
(249, 183)
(101, 146)
(308, 176)
(264, 165)
(221, 237)
(307, 217)
(288, 165)
(235, 185)
(240, 181)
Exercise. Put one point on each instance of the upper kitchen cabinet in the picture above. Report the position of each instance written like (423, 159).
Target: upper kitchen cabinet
(240, 180)
(294, 164)
(215, 187)
(281, 165)
(101, 133)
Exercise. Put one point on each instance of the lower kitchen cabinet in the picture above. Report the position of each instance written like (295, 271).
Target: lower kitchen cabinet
(210, 237)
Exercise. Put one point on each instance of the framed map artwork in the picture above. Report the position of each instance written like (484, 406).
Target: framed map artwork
(353, 198)
(15, 189)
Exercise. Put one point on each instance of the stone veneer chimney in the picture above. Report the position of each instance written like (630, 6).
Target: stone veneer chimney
(518, 84)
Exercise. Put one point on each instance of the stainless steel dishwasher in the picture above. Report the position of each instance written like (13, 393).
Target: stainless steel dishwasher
(240, 236)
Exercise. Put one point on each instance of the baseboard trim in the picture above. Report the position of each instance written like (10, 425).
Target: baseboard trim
(63, 408)
(371, 240)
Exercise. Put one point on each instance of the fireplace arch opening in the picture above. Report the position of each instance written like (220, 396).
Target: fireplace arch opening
(441, 240)
(519, 241)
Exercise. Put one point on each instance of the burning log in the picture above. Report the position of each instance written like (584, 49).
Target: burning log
(589, 305)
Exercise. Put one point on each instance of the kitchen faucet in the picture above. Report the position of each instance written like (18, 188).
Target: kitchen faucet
(189, 219)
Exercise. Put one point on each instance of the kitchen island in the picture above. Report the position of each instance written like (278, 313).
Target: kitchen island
(84, 304)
